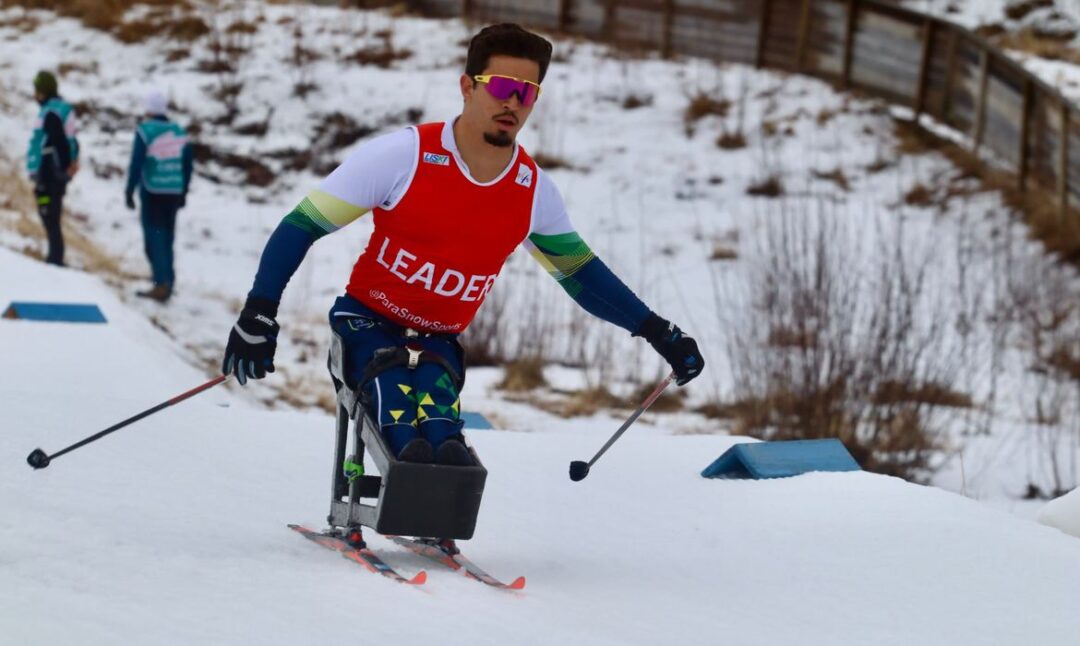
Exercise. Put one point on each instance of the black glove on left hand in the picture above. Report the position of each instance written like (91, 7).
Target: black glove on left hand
(679, 350)
(129, 200)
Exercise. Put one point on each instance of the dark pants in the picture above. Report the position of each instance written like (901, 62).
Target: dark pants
(50, 201)
(407, 403)
(158, 215)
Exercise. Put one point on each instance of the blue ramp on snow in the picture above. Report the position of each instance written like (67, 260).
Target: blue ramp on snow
(476, 421)
(60, 312)
(781, 459)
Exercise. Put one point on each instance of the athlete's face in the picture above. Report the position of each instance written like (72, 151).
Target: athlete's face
(499, 120)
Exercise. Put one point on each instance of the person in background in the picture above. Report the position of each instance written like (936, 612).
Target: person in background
(52, 159)
(161, 165)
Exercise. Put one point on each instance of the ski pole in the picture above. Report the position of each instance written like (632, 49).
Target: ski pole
(39, 459)
(579, 469)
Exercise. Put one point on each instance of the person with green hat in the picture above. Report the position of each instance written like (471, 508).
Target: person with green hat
(161, 165)
(52, 159)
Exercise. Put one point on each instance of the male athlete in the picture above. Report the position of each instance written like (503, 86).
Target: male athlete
(451, 201)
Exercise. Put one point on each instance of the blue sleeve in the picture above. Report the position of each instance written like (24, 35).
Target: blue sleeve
(604, 296)
(138, 156)
(188, 165)
(281, 257)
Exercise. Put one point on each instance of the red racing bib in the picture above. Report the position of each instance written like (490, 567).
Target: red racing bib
(434, 256)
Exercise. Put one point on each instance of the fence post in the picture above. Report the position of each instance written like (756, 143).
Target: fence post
(1025, 132)
(849, 41)
(924, 67)
(565, 7)
(804, 33)
(669, 19)
(950, 76)
(609, 21)
(762, 34)
(980, 103)
(1063, 160)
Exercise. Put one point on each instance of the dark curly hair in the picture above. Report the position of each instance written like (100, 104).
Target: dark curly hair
(506, 39)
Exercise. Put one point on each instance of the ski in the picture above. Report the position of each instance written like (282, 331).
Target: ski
(363, 556)
(456, 562)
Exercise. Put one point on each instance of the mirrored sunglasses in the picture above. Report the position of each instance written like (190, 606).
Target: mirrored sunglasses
(503, 87)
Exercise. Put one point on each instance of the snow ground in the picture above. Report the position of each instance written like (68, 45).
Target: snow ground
(172, 531)
(655, 203)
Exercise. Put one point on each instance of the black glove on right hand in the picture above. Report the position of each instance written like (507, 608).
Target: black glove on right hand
(680, 350)
(129, 200)
(252, 341)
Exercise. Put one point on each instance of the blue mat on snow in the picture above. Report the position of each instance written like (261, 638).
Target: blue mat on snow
(60, 312)
(476, 421)
(758, 460)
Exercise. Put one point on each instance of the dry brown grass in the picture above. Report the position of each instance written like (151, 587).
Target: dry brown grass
(522, 375)
(1059, 232)
(584, 402)
(768, 187)
(702, 105)
(919, 195)
(723, 253)
(108, 16)
(932, 394)
(836, 176)
(731, 141)
(1029, 42)
(17, 199)
(671, 400)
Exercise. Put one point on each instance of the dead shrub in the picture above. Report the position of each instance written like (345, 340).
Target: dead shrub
(919, 196)
(669, 401)
(585, 402)
(702, 105)
(523, 374)
(894, 392)
(769, 187)
(820, 355)
(723, 253)
(549, 161)
(731, 141)
(254, 171)
(634, 101)
(382, 54)
(836, 176)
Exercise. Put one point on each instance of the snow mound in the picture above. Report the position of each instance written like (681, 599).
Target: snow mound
(1063, 513)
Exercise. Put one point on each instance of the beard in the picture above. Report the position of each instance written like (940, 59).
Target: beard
(500, 139)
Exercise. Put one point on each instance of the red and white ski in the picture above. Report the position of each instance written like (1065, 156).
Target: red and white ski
(457, 562)
(363, 556)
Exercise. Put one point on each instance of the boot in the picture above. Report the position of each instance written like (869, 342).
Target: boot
(417, 450)
(160, 292)
(454, 453)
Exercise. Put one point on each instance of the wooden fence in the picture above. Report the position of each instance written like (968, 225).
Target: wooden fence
(931, 65)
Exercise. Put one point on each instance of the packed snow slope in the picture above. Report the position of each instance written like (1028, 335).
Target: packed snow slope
(172, 531)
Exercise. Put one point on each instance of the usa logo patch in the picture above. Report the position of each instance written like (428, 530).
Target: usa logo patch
(438, 160)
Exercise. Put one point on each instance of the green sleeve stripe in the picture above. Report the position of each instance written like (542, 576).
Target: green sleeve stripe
(561, 255)
(321, 213)
(301, 219)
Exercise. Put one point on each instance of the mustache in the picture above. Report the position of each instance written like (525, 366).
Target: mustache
(506, 114)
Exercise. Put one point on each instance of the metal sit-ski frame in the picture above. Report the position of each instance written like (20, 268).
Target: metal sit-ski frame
(410, 499)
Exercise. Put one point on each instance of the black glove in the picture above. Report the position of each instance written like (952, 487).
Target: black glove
(674, 346)
(252, 341)
(129, 200)
(183, 200)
